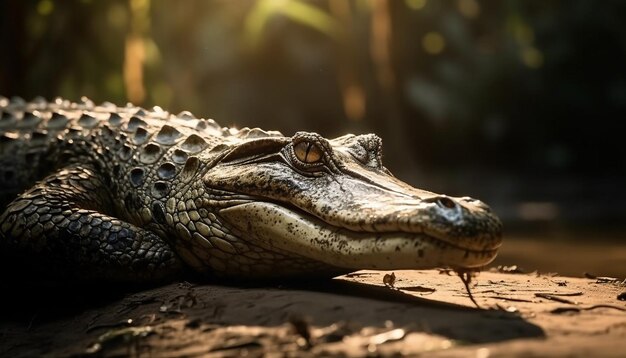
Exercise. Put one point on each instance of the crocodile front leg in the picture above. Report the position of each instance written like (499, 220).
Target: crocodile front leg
(58, 228)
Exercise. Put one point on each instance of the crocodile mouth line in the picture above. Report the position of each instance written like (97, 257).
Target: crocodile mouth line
(443, 243)
(284, 226)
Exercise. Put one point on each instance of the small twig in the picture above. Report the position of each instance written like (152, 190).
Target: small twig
(420, 289)
(577, 293)
(605, 279)
(510, 299)
(559, 310)
(466, 277)
(552, 297)
(125, 323)
(30, 324)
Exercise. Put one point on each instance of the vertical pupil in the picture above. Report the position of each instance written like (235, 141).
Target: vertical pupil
(308, 149)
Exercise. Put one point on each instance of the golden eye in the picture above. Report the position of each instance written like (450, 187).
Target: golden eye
(307, 152)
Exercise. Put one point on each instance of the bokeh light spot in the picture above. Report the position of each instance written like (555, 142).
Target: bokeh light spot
(521, 31)
(532, 57)
(416, 4)
(354, 102)
(433, 43)
(468, 8)
(45, 7)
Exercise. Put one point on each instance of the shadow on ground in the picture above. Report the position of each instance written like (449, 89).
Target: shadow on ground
(183, 318)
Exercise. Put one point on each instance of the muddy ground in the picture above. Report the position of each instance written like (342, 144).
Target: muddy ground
(426, 313)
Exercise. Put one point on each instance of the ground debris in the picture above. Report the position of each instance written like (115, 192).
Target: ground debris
(388, 341)
(554, 297)
(129, 336)
(604, 279)
(390, 280)
(229, 321)
(126, 322)
(420, 289)
(510, 309)
(508, 269)
(445, 271)
(560, 310)
(466, 277)
(359, 274)
(510, 299)
(301, 327)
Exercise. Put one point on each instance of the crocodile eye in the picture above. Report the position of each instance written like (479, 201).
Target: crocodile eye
(307, 152)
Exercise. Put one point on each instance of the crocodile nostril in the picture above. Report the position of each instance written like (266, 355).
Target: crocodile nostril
(446, 203)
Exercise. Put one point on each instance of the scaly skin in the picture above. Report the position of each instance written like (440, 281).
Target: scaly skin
(128, 194)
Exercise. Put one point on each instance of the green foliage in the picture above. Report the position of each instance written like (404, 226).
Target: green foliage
(502, 84)
(296, 10)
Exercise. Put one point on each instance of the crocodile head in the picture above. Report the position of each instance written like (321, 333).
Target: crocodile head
(306, 203)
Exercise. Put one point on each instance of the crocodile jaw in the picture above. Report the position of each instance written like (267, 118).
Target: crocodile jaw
(277, 227)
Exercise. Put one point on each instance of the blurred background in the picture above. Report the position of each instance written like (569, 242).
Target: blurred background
(520, 103)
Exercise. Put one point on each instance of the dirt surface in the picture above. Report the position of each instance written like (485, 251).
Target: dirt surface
(426, 312)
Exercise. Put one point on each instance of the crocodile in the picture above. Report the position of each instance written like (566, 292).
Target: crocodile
(129, 194)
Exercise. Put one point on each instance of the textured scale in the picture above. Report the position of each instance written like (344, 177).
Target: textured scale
(131, 194)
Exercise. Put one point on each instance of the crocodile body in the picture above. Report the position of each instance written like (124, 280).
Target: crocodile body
(100, 192)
